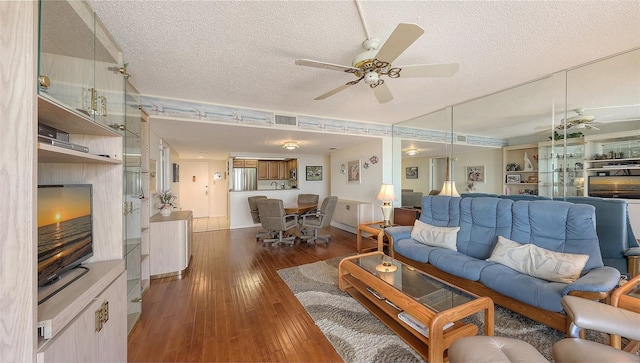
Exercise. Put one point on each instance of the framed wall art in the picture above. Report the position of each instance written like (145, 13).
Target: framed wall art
(411, 172)
(314, 173)
(475, 174)
(513, 179)
(353, 171)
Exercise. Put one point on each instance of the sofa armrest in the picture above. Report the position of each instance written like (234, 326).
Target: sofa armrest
(398, 232)
(602, 279)
(633, 251)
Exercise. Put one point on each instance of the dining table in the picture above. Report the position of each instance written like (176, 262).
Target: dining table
(298, 208)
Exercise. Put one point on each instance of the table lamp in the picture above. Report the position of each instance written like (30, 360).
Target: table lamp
(386, 195)
(449, 186)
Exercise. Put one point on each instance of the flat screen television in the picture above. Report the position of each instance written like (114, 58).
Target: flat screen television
(65, 229)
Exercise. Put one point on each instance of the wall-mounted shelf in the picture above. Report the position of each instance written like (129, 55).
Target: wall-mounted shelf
(57, 154)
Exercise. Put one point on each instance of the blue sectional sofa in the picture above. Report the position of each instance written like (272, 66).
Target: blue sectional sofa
(618, 245)
(557, 226)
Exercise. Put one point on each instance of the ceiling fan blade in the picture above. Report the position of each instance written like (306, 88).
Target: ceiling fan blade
(382, 93)
(402, 37)
(429, 70)
(334, 91)
(331, 66)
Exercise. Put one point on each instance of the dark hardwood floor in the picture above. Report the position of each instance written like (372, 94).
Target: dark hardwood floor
(232, 306)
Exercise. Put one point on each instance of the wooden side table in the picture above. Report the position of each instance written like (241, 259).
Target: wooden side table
(376, 230)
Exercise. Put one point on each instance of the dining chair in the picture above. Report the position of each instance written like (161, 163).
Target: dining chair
(308, 199)
(319, 219)
(253, 207)
(273, 218)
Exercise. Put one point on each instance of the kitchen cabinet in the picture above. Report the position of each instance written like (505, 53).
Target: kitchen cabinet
(263, 170)
(272, 170)
(241, 163)
(292, 164)
(283, 171)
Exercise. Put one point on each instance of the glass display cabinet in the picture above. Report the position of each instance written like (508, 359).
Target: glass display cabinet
(133, 195)
(561, 167)
(79, 64)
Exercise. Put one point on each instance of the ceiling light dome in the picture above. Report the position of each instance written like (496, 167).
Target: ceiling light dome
(412, 152)
(291, 145)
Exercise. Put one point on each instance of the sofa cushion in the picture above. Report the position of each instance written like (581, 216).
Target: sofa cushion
(444, 237)
(528, 289)
(413, 249)
(441, 210)
(457, 264)
(482, 220)
(538, 262)
(557, 226)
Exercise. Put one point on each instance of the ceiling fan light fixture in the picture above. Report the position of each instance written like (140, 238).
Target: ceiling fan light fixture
(371, 77)
(290, 145)
(412, 152)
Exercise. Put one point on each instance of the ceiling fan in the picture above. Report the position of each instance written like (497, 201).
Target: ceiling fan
(376, 62)
(580, 121)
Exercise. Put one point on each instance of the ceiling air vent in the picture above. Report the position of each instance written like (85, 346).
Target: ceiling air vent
(461, 138)
(286, 120)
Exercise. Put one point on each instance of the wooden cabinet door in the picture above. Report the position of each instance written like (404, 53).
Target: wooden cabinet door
(80, 342)
(283, 171)
(250, 163)
(274, 170)
(263, 170)
(238, 163)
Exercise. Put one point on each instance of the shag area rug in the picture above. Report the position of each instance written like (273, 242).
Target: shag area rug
(358, 336)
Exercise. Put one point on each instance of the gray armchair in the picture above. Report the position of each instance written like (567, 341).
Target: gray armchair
(274, 219)
(253, 207)
(308, 199)
(318, 220)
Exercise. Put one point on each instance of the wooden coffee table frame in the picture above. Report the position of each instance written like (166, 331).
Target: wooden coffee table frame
(354, 280)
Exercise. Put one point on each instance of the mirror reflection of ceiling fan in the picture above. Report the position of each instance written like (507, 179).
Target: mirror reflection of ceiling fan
(376, 62)
(580, 121)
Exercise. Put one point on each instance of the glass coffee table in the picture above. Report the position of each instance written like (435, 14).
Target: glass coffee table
(424, 311)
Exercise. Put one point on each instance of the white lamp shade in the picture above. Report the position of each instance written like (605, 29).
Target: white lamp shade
(449, 188)
(387, 193)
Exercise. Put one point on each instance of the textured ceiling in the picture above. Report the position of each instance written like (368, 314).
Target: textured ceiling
(242, 53)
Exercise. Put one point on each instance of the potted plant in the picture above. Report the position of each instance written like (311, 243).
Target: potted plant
(167, 201)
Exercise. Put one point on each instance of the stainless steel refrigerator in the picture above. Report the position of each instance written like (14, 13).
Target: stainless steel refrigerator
(245, 179)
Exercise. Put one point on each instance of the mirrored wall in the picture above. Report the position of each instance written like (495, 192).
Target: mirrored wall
(547, 137)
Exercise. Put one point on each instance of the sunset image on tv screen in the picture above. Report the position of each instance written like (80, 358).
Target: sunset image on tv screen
(64, 227)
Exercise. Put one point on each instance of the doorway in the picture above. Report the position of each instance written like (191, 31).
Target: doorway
(194, 187)
(438, 172)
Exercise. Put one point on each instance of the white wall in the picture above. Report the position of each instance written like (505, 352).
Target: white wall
(492, 161)
(322, 188)
(424, 171)
(371, 178)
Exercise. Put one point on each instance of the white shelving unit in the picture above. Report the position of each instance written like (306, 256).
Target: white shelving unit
(520, 181)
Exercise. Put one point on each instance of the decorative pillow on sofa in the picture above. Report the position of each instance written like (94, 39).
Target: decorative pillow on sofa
(445, 237)
(537, 261)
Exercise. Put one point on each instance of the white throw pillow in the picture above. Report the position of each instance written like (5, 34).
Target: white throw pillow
(445, 237)
(537, 261)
